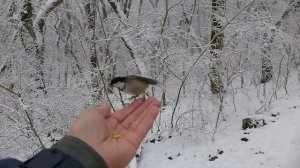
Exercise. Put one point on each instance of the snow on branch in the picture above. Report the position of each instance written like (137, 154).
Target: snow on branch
(39, 21)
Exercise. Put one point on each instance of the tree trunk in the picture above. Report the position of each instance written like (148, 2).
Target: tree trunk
(90, 9)
(108, 58)
(266, 65)
(217, 38)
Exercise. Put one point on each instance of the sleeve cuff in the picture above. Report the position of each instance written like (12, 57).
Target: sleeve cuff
(82, 152)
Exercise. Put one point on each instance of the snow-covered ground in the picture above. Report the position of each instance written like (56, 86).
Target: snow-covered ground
(276, 144)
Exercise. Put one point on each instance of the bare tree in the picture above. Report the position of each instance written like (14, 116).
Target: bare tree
(126, 39)
(64, 31)
(29, 42)
(269, 37)
(34, 46)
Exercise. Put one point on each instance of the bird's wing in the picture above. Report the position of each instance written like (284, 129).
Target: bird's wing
(144, 79)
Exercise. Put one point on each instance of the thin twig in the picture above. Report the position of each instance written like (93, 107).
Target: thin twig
(5, 7)
(106, 93)
(121, 98)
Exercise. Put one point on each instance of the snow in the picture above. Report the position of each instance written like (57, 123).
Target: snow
(276, 144)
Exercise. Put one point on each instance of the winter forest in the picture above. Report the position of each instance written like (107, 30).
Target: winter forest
(218, 62)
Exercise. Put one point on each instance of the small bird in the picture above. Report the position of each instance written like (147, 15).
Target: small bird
(132, 84)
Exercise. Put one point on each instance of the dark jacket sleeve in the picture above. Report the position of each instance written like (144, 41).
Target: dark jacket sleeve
(69, 152)
(80, 151)
(47, 158)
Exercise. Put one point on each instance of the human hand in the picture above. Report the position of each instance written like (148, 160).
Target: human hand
(117, 136)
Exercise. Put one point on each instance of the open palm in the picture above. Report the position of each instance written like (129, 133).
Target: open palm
(117, 136)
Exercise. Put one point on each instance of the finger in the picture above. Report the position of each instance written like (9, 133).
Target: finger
(145, 114)
(147, 122)
(126, 111)
(137, 113)
(104, 110)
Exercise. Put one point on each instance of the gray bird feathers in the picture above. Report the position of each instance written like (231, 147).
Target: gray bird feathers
(132, 84)
(140, 78)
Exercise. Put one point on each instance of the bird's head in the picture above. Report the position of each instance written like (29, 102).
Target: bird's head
(118, 82)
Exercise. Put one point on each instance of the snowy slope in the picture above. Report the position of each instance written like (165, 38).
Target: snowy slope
(276, 144)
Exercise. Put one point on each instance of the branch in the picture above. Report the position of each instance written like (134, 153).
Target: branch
(30, 122)
(9, 90)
